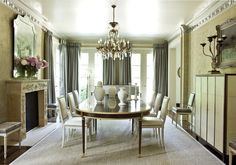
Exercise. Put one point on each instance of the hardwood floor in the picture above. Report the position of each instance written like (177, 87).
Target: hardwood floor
(13, 152)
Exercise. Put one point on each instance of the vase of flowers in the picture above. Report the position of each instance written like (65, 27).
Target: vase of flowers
(27, 67)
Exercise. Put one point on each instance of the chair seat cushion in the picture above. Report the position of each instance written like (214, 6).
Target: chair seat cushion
(152, 121)
(181, 109)
(232, 144)
(9, 126)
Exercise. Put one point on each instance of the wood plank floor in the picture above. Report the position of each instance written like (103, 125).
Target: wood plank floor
(13, 152)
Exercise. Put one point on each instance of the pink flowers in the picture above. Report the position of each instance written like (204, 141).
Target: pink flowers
(29, 64)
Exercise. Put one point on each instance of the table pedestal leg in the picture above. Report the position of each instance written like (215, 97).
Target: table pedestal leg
(140, 136)
(132, 126)
(83, 135)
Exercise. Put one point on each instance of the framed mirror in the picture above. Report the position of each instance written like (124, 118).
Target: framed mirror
(227, 56)
(24, 40)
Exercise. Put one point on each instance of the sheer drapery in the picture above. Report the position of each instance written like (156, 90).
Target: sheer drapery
(48, 46)
(117, 72)
(63, 68)
(73, 52)
(160, 54)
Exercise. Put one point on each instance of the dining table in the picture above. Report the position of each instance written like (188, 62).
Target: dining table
(109, 108)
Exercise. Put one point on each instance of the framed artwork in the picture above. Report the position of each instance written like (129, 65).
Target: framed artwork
(227, 56)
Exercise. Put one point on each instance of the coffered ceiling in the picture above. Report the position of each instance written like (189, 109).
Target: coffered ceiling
(144, 21)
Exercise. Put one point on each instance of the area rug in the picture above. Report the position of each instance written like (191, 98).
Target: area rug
(114, 144)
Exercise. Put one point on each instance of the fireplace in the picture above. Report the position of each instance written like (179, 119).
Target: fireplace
(22, 94)
(32, 116)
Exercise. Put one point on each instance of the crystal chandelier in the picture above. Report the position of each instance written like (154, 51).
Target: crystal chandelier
(113, 46)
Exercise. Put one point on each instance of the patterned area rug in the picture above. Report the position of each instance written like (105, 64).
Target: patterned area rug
(114, 144)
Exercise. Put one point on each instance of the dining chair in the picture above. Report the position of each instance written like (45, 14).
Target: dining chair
(159, 121)
(185, 110)
(76, 98)
(69, 122)
(72, 105)
(152, 100)
(156, 105)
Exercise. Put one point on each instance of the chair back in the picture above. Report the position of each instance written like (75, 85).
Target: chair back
(191, 100)
(152, 101)
(62, 109)
(76, 98)
(164, 108)
(71, 102)
(157, 103)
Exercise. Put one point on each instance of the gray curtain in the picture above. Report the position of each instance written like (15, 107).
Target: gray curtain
(125, 71)
(117, 72)
(160, 54)
(73, 52)
(63, 68)
(50, 74)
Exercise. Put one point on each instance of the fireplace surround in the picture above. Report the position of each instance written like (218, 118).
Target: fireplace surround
(16, 100)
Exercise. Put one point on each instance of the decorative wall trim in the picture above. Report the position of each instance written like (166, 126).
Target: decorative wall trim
(23, 9)
(214, 9)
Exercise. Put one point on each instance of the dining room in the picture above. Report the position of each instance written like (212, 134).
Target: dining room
(117, 82)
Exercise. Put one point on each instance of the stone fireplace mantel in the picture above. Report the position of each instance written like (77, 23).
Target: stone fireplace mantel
(16, 100)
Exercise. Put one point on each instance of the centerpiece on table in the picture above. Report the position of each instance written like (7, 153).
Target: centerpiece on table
(27, 67)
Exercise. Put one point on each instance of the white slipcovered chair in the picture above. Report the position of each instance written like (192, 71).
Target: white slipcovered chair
(185, 110)
(156, 105)
(72, 105)
(159, 121)
(69, 122)
(76, 98)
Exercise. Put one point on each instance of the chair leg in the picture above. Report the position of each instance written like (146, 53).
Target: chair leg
(162, 134)
(63, 136)
(176, 119)
(159, 136)
(230, 156)
(19, 139)
(5, 147)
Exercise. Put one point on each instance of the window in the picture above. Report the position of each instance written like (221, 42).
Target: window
(149, 76)
(83, 75)
(98, 69)
(135, 68)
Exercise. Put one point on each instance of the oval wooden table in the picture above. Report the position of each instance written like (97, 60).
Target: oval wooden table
(110, 109)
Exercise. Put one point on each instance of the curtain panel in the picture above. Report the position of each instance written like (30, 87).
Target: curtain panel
(73, 53)
(160, 54)
(117, 72)
(63, 68)
(48, 46)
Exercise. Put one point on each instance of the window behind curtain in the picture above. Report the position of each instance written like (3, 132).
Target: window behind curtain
(98, 68)
(135, 68)
(149, 76)
(83, 75)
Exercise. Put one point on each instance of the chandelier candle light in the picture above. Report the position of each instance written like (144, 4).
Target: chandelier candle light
(214, 50)
(114, 47)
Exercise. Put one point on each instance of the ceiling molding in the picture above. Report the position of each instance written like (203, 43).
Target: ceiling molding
(23, 9)
(210, 12)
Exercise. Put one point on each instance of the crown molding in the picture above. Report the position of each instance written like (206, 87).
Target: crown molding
(211, 11)
(23, 9)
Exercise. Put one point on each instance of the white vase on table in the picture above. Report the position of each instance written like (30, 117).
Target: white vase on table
(99, 92)
(122, 95)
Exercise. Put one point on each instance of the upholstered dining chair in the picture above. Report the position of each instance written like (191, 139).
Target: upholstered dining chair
(72, 105)
(156, 105)
(152, 100)
(186, 110)
(69, 122)
(159, 121)
(76, 98)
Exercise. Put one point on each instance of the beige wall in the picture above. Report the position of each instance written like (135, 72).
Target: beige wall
(198, 63)
(6, 52)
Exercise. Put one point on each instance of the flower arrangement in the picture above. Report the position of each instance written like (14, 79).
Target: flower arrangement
(29, 65)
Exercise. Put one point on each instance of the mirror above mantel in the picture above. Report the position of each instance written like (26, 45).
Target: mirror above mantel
(24, 40)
